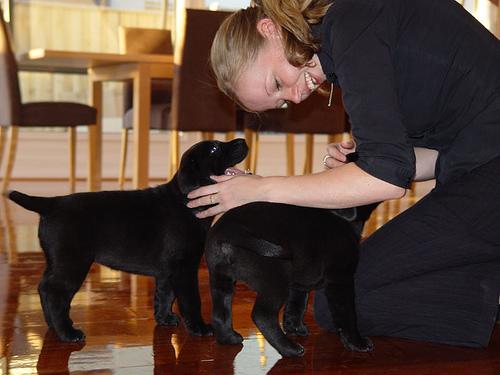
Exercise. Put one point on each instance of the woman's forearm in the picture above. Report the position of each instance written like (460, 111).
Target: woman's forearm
(340, 187)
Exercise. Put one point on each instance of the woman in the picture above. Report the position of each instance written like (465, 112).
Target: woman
(421, 85)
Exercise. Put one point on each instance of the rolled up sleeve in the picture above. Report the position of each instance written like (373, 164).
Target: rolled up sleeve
(362, 35)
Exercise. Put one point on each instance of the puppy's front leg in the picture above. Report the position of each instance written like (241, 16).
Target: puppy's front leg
(185, 284)
(293, 319)
(164, 298)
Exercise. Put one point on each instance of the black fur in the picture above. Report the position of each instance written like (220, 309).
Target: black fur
(282, 252)
(149, 232)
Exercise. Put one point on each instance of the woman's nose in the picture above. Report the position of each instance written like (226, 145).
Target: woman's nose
(295, 95)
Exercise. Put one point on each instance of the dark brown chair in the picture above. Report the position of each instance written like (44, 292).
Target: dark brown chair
(313, 116)
(15, 114)
(151, 41)
(197, 104)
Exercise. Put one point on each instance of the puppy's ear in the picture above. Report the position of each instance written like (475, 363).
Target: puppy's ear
(360, 215)
(364, 212)
(191, 176)
(351, 216)
(187, 177)
(348, 214)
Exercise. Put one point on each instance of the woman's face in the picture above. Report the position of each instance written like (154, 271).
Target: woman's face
(271, 81)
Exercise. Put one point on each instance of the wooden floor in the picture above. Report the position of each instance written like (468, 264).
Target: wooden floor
(115, 311)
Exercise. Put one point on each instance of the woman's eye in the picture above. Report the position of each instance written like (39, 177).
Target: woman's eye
(278, 86)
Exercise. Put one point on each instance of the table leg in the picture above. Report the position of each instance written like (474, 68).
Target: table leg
(94, 182)
(142, 115)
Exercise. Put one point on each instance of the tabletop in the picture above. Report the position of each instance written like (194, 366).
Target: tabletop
(78, 62)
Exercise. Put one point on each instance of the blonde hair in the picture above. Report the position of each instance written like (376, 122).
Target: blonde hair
(237, 42)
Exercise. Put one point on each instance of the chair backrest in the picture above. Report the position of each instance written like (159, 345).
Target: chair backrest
(143, 40)
(312, 116)
(153, 41)
(10, 96)
(197, 103)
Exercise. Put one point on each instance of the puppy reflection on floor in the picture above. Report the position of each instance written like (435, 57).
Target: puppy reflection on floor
(173, 352)
(54, 356)
(176, 353)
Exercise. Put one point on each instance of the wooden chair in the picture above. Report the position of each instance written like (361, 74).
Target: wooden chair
(151, 41)
(14, 114)
(313, 116)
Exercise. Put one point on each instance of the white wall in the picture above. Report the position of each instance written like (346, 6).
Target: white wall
(227, 4)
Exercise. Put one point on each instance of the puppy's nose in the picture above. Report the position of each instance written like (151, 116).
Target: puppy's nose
(239, 141)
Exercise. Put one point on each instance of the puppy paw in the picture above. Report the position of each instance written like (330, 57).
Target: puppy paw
(365, 346)
(295, 328)
(170, 319)
(71, 335)
(355, 343)
(292, 349)
(199, 329)
(229, 338)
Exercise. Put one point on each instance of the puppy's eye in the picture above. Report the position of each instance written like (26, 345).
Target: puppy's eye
(214, 149)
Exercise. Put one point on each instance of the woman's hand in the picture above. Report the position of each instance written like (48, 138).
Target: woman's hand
(233, 190)
(336, 153)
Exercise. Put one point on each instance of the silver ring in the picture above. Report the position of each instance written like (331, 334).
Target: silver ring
(325, 159)
(211, 197)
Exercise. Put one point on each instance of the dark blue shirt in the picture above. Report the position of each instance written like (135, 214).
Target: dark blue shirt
(414, 73)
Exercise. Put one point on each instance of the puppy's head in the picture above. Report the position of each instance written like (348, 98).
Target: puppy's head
(208, 158)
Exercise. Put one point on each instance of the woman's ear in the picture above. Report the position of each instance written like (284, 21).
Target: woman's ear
(268, 29)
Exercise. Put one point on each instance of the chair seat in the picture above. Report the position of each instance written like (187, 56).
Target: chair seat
(160, 114)
(57, 114)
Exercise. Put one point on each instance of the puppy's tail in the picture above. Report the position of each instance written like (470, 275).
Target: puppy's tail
(41, 205)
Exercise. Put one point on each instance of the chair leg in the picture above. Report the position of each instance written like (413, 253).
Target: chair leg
(11, 156)
(207, 136)
(174, 153)
(230, 136)
(72, 158)
(254, 152)
(309, 155)
(248, 133)
(10, 239)
(123, 158)
(413, 190)
(290, 154)
(3, 136)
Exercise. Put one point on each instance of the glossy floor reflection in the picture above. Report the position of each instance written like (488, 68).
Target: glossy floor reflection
(115, 311)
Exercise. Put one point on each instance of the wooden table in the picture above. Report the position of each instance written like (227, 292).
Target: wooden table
(101, 67)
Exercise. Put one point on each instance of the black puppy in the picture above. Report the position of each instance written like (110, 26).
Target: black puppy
(282, 252)
(149, 232)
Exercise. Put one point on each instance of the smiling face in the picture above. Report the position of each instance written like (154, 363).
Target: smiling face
(270, 81)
